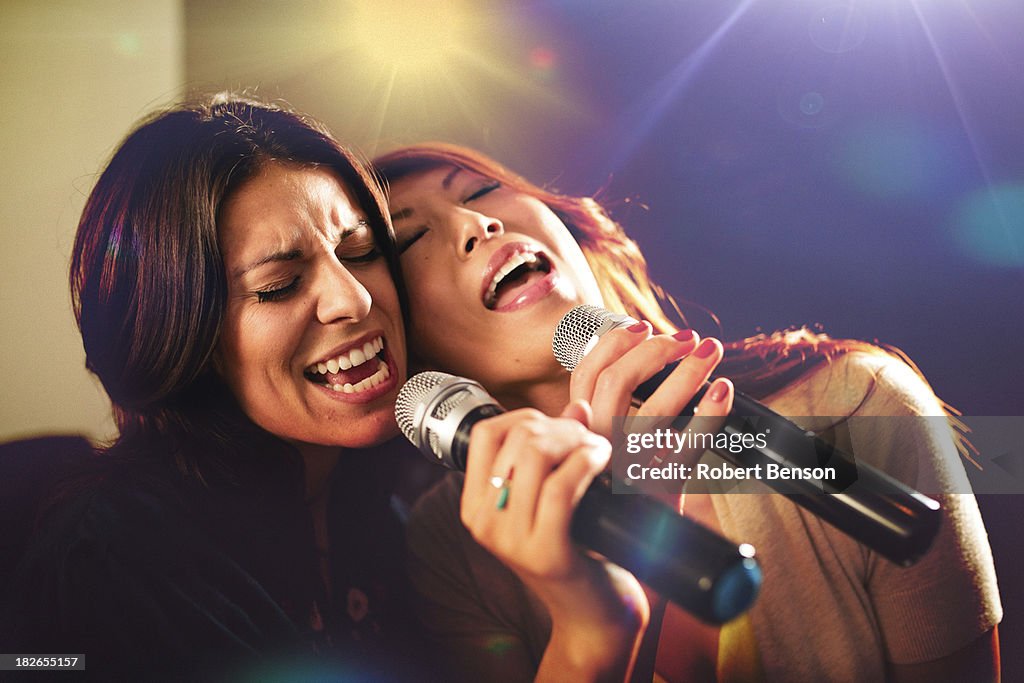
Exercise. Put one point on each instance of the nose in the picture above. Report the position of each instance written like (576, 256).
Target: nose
(340, 295)
(477, 227)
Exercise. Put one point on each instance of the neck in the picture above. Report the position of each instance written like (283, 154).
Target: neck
(549, 397)
(319, 462)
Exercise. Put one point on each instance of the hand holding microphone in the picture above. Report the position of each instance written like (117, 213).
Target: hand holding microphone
(868, 505)
(704, 573)
(608, 375)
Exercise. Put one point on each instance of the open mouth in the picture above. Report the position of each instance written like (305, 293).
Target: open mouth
(518, 273)
(359, 369)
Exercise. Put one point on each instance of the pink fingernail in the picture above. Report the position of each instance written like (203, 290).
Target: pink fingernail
(683, 335)
(718, 391)
(637, 327)
(705, 350)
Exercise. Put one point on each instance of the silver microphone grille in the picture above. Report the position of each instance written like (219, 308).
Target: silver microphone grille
(579, 329)
(412, 397)
(430, 410)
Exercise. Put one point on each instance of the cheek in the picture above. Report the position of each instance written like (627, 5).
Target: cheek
(429, 287)
(378, 283)
(254, 345)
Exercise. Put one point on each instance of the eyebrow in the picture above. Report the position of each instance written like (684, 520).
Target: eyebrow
(446, 183)
(295, 254)
(280, 256)
(401, 215)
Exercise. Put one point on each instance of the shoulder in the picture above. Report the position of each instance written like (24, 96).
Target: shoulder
(118, 522)
(859, 383)
(126, 551)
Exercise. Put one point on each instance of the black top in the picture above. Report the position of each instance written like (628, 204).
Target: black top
(155, 575)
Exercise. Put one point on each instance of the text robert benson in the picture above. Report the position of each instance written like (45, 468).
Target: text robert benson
(676, 471)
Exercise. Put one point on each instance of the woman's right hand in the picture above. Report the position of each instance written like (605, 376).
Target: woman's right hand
(526, 473)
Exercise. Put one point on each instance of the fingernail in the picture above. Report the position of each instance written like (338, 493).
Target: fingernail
(638, 327)
(683, 335)
(705, 350)
(718, 391)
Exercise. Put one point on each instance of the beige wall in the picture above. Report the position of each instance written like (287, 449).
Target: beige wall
(74, 75)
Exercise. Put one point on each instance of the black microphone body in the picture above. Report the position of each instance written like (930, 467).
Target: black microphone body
(868, 505)
(704, 573)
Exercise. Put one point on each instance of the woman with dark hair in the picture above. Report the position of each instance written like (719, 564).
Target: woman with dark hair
(491, 263)
(233, 282)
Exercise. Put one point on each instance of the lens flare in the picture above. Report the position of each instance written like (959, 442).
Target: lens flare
(837, 29)
(989, 225)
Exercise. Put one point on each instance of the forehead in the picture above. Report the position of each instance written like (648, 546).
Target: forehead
(430, 180)
(288, 198)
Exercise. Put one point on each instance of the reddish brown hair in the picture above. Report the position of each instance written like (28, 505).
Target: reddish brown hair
(759, 365)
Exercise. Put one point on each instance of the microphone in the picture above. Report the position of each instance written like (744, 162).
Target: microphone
(683, 561)
(879, 512)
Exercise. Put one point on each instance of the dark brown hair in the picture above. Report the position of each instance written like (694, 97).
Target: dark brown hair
(147, 280)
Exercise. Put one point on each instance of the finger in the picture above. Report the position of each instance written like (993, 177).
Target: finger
(485, 445)
(539, 448)
(617, 382)
(609, 348)
(565, 487)
(689, 376)
(580, 411)
(712, 411)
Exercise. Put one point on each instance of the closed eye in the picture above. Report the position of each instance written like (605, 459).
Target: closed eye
(265, 295)
(420, 232)
(372, 254)
(490, 187)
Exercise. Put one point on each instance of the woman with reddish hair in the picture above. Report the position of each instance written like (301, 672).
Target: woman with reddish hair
(491, 263)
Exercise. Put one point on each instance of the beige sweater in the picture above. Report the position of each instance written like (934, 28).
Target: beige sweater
(829, 610)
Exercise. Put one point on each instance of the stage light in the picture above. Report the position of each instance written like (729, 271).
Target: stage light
(409, 38)
(443, 69)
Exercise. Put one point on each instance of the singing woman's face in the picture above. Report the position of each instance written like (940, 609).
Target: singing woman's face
(312, 343)
(490, 271)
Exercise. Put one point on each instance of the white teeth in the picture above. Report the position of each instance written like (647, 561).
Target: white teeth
(382, 374)
(517, 259)
(349, 360)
